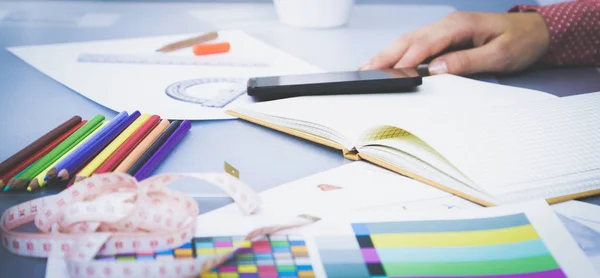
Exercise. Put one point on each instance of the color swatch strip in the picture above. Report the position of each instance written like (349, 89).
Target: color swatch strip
(274, 256)
(506, 246)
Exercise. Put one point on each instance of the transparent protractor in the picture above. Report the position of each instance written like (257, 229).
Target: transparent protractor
(212, 92)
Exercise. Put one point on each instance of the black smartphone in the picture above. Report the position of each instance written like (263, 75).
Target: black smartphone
(331, 83)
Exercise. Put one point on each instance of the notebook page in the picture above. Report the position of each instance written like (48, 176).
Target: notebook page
(417, 167)
(351, 115)
(525, 151)
(398, 140)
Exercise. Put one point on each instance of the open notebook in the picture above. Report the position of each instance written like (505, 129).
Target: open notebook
(488, 143)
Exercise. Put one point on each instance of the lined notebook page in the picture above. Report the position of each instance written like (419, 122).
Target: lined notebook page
(538, 149)
(352, 115)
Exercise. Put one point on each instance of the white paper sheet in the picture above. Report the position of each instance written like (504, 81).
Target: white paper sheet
(552, 233)
(143, 86)
(584, 213)
(352, 115)
(348, 189)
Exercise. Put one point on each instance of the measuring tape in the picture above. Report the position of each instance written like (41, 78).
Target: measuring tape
(114, 214)
(158, 59)
(228, 90)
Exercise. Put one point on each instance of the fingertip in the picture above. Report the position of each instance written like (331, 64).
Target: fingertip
(438, 67)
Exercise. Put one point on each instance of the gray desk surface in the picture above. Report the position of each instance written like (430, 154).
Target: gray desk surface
(31, 102)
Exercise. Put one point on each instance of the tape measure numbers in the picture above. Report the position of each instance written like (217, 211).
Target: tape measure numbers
(158, 59)
(204, 91)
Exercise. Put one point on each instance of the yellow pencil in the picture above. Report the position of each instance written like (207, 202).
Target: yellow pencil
(91, 167)
(142, 147)
(39, 181)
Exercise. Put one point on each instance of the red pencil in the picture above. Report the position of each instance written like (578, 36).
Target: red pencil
(45, 150)
(123, 151)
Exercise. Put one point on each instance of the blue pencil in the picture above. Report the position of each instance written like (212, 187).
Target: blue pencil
(94, 145)
(163, 151)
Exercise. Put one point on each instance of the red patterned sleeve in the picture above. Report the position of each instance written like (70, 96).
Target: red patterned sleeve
(574, 31)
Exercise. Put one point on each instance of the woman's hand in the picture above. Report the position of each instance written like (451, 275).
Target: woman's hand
(470, 43)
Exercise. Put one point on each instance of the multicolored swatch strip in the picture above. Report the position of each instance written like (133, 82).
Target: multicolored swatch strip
(273, 256)
(506, 246)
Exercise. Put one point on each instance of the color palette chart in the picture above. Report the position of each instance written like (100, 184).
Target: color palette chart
(505, 246)
(273, 256)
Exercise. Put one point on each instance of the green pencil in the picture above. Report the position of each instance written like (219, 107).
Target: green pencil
(56, 153)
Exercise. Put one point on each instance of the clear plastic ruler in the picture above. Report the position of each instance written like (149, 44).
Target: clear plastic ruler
(159, 59)
(209, 92)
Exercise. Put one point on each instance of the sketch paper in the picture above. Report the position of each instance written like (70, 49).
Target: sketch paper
(171, 91)
(339, 192)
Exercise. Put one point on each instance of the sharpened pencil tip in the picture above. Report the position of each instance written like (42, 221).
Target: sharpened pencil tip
(34, 184)
(50, 174)
(6, 188)
(19, 183)
(63, 174)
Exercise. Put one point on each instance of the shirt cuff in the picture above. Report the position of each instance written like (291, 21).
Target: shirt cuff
(574, 29)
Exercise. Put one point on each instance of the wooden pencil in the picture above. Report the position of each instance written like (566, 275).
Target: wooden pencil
(188, 42)
(136, 120)
(21, 168)
(163, 151)
(142, 147)
(63, 147)
(153, 148)
(91, 148)
(37, 145)
(133, 141)
(39, 180)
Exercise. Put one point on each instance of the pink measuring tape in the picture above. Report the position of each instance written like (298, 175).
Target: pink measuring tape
(113, 213)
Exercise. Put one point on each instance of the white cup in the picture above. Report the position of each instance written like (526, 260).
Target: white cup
(314, 13)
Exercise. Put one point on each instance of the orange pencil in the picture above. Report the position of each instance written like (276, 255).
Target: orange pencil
(142, 147)
(128, 146)
(211, 48)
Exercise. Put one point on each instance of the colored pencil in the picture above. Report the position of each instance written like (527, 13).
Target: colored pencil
(57, 152)
(142, 147)
(37, 145)
(188, 42)
(39, 181)
(153, 148)
(163, 151)
(124, 150)
(8, 187)
(91, 167)
(28, 162)
(90, 149)
(139, 150)
(23, 167)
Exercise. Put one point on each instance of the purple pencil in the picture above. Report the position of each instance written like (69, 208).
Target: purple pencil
(95, 145)
(163, 151)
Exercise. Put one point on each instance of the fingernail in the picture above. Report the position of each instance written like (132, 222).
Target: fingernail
(438, 67)
(366, 66)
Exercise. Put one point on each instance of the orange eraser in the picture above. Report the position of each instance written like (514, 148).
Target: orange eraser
(211, 48)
